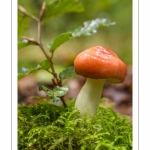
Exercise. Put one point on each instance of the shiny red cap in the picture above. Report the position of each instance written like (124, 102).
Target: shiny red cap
(100, 63)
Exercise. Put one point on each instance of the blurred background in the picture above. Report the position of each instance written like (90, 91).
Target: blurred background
(118, 38)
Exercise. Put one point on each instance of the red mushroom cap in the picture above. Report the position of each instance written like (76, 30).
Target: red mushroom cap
(100, 63)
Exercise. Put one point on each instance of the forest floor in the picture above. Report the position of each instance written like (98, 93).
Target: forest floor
(120, 94)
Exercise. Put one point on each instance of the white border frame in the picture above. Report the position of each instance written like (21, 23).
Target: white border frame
(141, 74)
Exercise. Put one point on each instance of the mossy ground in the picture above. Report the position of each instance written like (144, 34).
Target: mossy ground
(44, 126)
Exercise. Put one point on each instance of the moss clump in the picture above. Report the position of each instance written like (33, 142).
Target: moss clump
(48, 127)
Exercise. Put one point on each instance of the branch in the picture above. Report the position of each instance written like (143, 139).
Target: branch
(39, 21)
(57, 81)
(42, 11)
(24, 11)
(39, 32)
(30, 40)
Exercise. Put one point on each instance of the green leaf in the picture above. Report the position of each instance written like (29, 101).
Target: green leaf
(60, 91)
(45, 64)
(59, 40)
(59, 7)
(88, 28)
(55, 93)
(23, 43)
(91, 27)
(26, 71)
(67, 73)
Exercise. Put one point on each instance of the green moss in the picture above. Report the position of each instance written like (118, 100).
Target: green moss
(44, 126)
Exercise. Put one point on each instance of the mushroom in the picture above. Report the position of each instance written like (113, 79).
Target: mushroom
(98, 65)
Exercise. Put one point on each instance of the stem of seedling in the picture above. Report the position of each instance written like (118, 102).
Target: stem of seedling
(55, 80)
(24, 11)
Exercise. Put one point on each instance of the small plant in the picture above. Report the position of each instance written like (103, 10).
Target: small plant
(49, 10)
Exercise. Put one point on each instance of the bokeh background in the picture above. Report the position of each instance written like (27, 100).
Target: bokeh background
(117, 38)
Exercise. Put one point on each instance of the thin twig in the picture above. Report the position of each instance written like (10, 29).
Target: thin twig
(42, 11)
(49, 71)
(39, 21)
(39, 32)
(42, 48)
(24, 11)
(64, 103)
(52, 65)
(30, 40)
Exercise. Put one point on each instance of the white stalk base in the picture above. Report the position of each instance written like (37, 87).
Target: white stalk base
(89, 97)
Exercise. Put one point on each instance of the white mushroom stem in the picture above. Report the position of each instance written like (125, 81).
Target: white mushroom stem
(89, 97)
